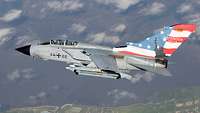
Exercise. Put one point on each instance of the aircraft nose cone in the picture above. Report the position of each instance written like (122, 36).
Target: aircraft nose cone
(25, 49)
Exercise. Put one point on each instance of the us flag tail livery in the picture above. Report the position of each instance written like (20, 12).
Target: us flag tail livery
(165, 42)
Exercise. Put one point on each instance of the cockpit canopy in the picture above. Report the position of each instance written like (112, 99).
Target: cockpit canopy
(60, 42)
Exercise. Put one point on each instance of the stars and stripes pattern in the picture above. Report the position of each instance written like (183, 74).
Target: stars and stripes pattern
(169, 39)
(179, 34)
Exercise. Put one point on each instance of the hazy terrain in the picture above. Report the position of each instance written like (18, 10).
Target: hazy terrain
(182, 100)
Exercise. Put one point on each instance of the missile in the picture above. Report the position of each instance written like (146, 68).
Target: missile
(81, 71)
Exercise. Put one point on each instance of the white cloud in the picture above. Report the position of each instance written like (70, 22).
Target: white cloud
(121, 94)
(42, 94)
(35, 99)
(65, 5)
(63, 36)
(21, 74)
(4, 32)
(119, 28)
(32, 100)
(9, 0)
(197, 22)
(147, 76)
(153, 9)
(11, 15)
(23, 40)
(78, 28)
(14, 75)
(197, 1)
(32, 97)
(184, 8)
(103, 38)
(194, 17)
(120, 4)
(56, 87)
(27, 73)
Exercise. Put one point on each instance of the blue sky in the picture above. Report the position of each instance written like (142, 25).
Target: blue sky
(28, 81)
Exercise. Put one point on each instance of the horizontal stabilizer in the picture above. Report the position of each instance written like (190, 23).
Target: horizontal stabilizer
(160, 71)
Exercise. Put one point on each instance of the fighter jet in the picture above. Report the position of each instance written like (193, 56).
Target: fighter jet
(86, 59)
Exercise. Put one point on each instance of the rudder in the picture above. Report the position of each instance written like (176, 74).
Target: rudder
(178, 35)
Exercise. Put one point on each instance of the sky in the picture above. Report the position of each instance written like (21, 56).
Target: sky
(26, 81)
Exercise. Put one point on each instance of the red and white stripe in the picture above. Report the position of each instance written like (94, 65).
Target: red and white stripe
(175, 33)
(169, 52)
(171, 44)
(178, 35)
(136, 51)
(176, 39)
(185, 27)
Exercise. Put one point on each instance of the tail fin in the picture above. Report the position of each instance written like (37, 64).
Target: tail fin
(167, 41)
(178, 35)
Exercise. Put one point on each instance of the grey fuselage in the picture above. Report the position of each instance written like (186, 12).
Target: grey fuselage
(75, 55)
